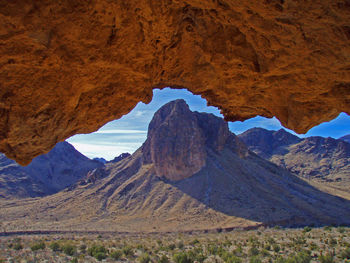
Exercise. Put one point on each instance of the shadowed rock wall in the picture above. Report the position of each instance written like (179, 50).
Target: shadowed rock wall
(68, 67)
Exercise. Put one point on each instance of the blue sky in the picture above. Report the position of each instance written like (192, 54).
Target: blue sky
(128, 133)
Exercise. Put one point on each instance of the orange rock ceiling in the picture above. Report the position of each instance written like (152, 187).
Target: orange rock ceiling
(68, 67)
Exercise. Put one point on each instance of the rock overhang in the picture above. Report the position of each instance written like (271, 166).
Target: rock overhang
(69, 67)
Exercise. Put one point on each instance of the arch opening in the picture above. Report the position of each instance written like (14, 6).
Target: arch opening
(128, 133)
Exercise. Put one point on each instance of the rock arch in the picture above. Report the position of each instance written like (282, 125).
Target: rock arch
(68, 67)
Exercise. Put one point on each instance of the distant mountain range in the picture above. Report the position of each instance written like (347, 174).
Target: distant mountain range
(345, 138)
(315, 158)
(191, 173)
(46, 174)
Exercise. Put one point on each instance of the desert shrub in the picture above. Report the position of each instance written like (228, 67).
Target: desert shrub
(164, 259)
(17, 246)
(271, 240)
(276, 248)
(341, 229)
(313, 246)
(200, 258)
(100, 256)
(69, 249)
(238, 251)
(213, 249)
(194, 242)
(280, 259)
(231, 258)
(180, 244)
(267, 247)
(327, 258)
(98, 252)
(265, 252)
(253, 251)
(17, 240)
(307, 229)
(345, 254)
(127, 251)
(144, 258)
(301, 257)
(327, 228)
(333, 242)
(182, 258)
(255, 259)
(82, 248)
(37, 246)
(55, 246)
(196, 254)
(234, 259)
(116, 254)
(299, 241)
(171, 246)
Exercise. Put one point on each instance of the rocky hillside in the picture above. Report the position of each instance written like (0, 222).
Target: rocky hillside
(267, 143)
(46, 174)
(345, 138)
(315, 158)
(191, 173)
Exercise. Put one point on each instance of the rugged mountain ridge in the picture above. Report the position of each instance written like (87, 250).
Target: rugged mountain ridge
(345, 138)
(223, 185)
(314, 158)
(46, 174)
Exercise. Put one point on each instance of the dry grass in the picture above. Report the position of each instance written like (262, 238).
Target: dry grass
(262, 245)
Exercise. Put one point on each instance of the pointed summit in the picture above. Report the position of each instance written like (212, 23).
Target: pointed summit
(178, 140)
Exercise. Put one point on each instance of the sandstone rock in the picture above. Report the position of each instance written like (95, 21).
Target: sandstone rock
(68, 67)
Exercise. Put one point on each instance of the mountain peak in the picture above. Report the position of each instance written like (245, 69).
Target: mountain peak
(178, 140)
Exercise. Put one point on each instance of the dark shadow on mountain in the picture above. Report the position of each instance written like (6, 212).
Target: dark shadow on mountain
(255, 189)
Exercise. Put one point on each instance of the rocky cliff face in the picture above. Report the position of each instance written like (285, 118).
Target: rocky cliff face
(316, 157)
(46, 174)
(178, 140)
(68, 67)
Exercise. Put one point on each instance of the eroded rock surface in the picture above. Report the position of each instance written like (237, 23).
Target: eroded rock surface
(68, 67)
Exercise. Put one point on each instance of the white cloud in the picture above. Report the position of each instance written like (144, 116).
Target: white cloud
(108, 152)
(120, 131)
(139, 113)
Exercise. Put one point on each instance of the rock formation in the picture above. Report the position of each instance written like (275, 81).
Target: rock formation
(46, 174)
(345, 138)
(157, 188)
(119, 158)
(178, 140)
(68, 67)
(314, 158)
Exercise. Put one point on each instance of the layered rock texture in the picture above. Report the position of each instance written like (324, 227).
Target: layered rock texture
(157, 189)
(68, 67)
(47, 174)
(313, 158)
